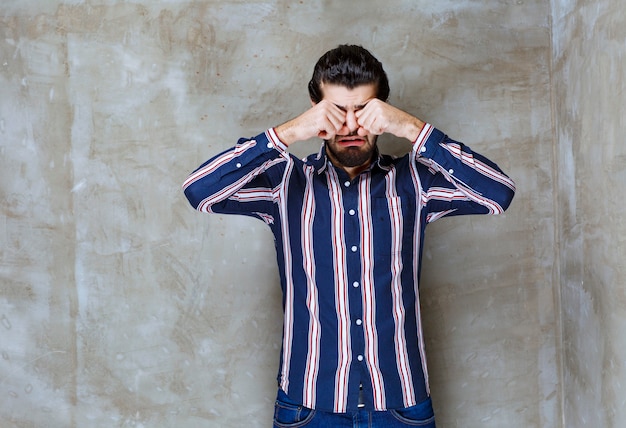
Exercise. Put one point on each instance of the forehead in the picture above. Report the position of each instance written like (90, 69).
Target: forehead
(348, 98)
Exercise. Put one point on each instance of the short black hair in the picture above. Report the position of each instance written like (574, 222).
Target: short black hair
(349, 66)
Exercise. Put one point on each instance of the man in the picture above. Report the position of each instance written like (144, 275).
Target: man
(349, 224)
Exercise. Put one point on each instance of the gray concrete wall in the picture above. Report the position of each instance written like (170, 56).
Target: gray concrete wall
(589, 93)
(122, 307)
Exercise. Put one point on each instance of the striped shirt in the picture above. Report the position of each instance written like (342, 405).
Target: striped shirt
(349, 255)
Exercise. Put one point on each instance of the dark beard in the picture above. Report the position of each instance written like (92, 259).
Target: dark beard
(351, 156)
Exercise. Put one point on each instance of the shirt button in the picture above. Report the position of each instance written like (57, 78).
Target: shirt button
(423, 149)
(451, 171)
(270, 145)
(359, 322)
(238, 165)
(355, 284)
(352, 212)
(347, 184)
(354, 248)
(360, 358)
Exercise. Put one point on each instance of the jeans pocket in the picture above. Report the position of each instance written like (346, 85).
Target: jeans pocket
(288, 414)
(420, 415)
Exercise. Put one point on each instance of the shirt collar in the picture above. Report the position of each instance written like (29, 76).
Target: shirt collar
(320, 160)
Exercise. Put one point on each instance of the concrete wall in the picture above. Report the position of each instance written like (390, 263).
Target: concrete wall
(122, 307)
(589, 93)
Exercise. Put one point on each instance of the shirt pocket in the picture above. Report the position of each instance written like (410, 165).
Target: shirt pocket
(393, 225)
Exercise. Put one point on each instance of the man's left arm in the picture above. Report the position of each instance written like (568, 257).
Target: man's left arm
(479, 179)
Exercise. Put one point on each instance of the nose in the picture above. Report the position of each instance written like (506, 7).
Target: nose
(351, 123)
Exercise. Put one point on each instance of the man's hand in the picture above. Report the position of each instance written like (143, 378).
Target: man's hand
(379, 117)
(322, 120)
(325, 120)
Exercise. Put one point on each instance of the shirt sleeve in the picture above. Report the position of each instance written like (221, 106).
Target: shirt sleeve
(240, 180)
(461, 181)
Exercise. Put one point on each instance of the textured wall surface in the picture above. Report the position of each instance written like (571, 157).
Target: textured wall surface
(590, 95)
(122, 307)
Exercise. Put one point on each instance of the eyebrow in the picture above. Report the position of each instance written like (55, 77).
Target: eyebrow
(356, 107)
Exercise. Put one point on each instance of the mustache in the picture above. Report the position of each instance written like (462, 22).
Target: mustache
(351, 134)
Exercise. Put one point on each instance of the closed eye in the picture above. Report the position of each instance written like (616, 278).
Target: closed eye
(355, 108)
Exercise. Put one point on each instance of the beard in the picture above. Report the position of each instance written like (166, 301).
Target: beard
(351, 157)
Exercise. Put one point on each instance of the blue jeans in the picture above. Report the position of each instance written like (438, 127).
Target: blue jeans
(288, 414)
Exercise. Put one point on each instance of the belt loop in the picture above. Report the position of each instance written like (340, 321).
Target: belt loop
(361, 397)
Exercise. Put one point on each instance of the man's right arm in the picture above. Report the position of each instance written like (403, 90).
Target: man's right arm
(214, 185)
(220, 184)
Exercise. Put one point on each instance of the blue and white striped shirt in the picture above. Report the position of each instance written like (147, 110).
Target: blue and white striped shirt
(349, 255)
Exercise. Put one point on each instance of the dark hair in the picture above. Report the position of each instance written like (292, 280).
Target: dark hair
(349, 66)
